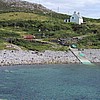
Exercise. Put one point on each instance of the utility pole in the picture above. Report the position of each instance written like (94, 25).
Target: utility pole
(51, 15)
(58, 10)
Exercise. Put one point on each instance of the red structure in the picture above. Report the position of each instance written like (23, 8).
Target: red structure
(29, 37)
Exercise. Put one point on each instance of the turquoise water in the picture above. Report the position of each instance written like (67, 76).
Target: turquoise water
(50, 82)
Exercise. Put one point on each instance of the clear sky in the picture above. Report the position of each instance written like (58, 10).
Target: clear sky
(87, 8)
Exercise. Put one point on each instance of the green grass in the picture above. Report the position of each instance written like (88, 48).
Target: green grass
(21, 16)
(92, 41)
(16, 31)
(17, 24)
(2, 45)
(5, 33)
(39, 46)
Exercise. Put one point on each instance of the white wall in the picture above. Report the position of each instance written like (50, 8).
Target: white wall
(76, 18)
(80, 20)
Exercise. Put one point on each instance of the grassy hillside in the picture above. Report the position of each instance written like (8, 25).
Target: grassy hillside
(21, 16)
(46, 27)
(14, 25)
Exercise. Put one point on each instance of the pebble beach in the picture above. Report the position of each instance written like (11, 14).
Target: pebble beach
(19, 57)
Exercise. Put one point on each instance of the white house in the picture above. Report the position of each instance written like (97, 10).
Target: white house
(76, 18)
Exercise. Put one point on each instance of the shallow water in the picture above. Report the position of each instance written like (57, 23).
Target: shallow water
(50, 82)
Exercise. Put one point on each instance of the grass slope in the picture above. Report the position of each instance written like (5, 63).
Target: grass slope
(21, 16)
(17, 24)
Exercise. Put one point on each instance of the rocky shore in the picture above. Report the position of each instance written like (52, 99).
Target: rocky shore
(13, 57)
(17, 57)
(92, 54)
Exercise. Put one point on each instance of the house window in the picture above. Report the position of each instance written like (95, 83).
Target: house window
(72, 17)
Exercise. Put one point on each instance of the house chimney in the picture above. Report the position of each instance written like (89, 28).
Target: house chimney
(78, 13)
(74, 12)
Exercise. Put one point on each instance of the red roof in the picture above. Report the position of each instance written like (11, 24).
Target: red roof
(29, 37)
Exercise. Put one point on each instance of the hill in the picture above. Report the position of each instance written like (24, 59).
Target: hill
(20, 18)
(20, 5)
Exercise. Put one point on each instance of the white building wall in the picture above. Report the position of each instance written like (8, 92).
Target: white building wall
(80, 20)
(76, 18)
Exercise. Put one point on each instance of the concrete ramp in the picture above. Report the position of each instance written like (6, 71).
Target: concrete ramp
(83, 60)
(80, 56)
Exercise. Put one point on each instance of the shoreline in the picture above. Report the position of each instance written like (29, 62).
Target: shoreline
(28, 57)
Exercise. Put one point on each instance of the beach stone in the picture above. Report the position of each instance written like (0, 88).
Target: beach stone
(12, 57)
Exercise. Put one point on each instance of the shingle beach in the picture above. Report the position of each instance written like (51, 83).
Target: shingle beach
(19, 57)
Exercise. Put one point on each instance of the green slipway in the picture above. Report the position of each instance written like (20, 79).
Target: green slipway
(80, 56)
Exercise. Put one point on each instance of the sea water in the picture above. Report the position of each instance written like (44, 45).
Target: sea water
(50, 82)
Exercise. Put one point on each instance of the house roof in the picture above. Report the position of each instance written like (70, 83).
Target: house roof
(77, 14)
